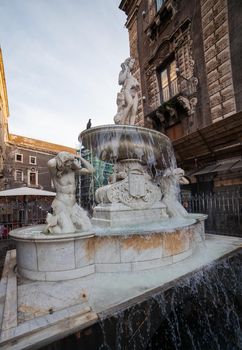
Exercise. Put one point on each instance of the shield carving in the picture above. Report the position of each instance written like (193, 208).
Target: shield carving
(136, 183)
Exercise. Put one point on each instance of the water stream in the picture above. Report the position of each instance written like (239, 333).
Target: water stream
(201, 311)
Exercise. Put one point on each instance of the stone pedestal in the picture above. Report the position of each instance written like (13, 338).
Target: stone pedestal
(132, 200)
(120, 215)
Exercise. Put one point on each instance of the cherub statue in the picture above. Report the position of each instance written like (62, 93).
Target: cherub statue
(127, 98)
(68, 216)
(170, 189)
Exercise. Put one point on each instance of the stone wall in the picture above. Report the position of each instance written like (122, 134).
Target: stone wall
(215, 30)
(235, 30)
(133, 44)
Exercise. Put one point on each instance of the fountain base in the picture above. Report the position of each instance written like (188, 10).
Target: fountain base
(59, 257)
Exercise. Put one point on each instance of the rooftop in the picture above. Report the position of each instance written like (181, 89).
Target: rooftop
(25, 142)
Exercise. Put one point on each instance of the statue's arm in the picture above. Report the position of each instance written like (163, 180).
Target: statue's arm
(52, 166)
(122, 76)
(86, 169)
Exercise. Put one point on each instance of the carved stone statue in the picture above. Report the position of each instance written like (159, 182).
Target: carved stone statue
(127, 98)
(169, 184)
(68, 216)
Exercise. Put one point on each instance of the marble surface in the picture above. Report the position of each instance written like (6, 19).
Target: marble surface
(116, 216)
(76, 303)
(62, 257)
(32, 233)
(53, 257)
(127, 98)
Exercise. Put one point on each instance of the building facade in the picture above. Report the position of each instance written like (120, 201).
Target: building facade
(26, 162)
(188, 61)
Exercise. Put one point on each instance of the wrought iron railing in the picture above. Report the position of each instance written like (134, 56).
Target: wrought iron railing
(224, 210)
(18, 213)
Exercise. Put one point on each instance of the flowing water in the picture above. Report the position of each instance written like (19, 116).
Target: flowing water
(201, 311)
(119, 144)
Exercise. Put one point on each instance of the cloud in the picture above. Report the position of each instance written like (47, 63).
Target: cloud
(62, 60)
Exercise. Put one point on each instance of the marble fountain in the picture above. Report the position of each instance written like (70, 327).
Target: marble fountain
(67, 273)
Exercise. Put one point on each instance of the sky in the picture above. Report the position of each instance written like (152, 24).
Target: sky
(62, 59)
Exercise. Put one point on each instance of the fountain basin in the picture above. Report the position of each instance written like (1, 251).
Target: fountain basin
(42, 257)
(112, 143)
(60, 257)
(139, 250)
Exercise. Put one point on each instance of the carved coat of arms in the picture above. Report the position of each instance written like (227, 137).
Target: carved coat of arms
(137, 186)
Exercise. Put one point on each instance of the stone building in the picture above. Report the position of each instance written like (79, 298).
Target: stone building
(23, 161)
(26, 162)
(188, 61)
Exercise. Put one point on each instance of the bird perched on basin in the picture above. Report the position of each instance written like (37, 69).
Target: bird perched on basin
(89, 124)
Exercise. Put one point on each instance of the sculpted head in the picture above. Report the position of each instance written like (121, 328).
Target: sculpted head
(176, 175)
(63, 161)
(129, 62)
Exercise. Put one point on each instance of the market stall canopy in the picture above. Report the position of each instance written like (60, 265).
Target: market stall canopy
(25, 191)
(211, 143)
(221, 166)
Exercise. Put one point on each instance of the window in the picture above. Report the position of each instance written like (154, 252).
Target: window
(169, 85)
(159, 3)
(18, 157)
(18, 176)
(32, 160)
(32, 178)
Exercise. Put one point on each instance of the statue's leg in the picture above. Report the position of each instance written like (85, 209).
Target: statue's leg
(127, 109)
(80, 218)
(134, 110)
(174, 208)
(60, 221)
(65, 222)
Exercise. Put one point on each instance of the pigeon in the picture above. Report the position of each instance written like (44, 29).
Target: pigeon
(89, 124)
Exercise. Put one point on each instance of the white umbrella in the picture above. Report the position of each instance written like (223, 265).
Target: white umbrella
(25, 191)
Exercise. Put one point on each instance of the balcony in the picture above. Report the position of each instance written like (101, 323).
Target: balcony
(178, 100)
